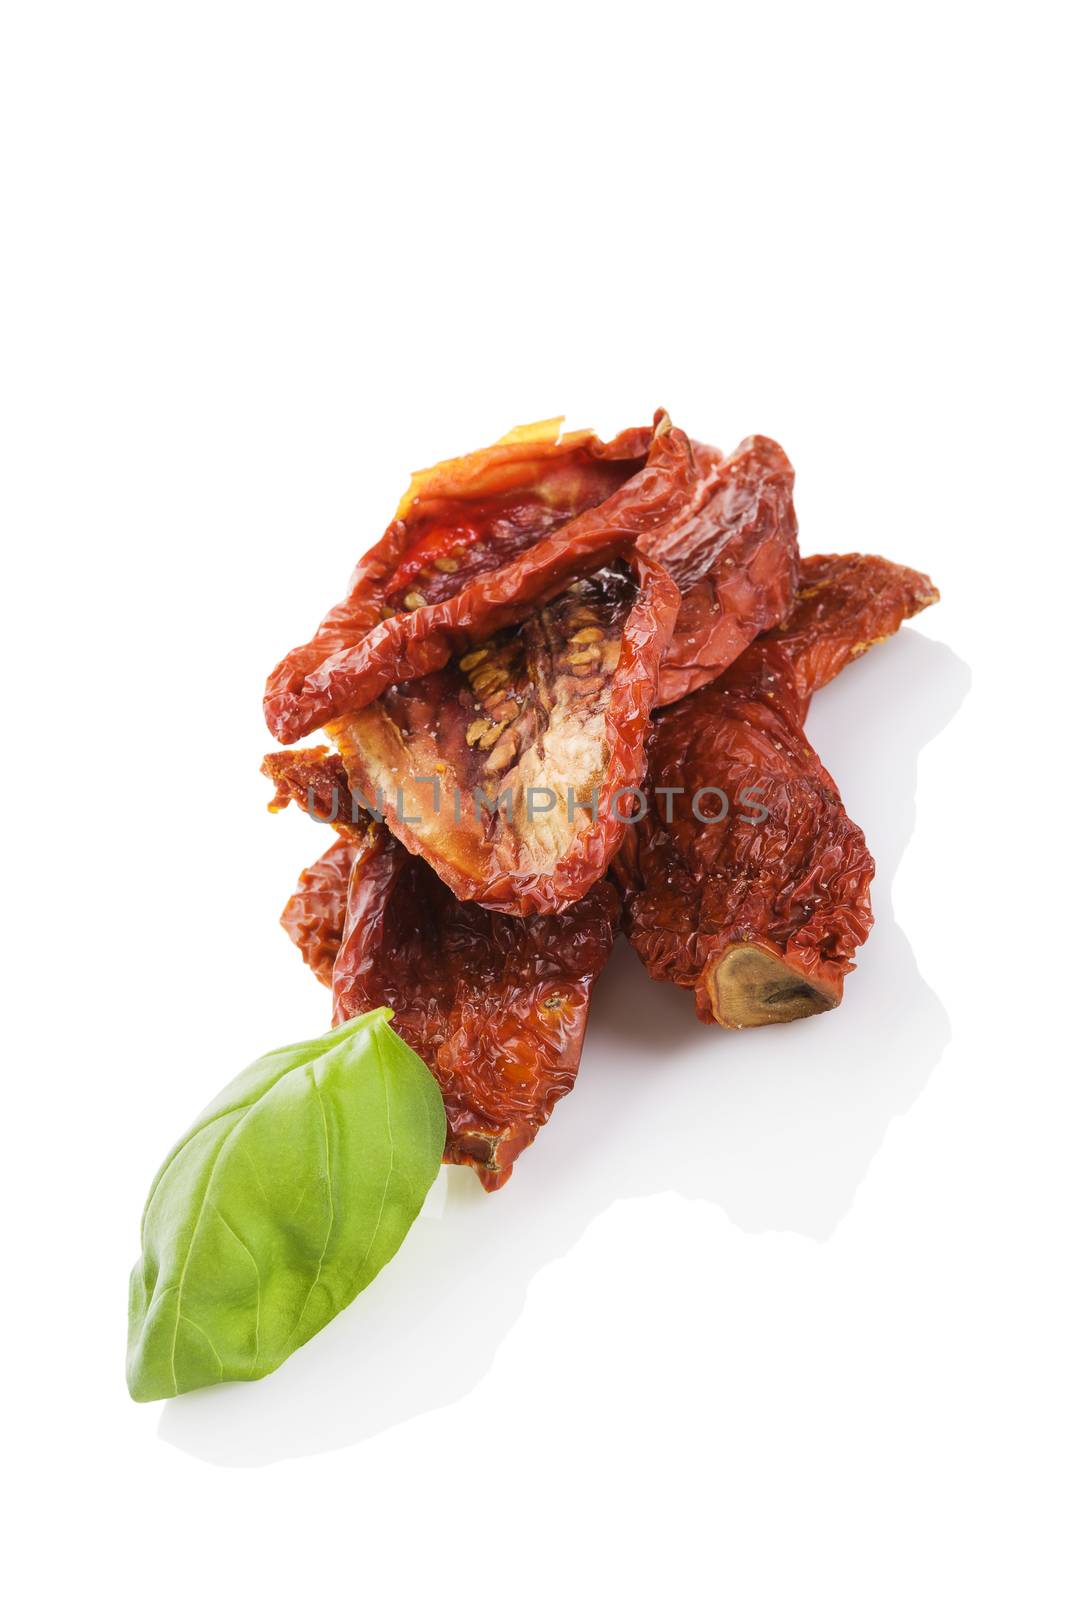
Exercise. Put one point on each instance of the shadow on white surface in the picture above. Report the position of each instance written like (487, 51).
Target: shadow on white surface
(776, 1126)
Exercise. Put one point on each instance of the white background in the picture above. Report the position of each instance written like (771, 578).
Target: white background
(760, 1315)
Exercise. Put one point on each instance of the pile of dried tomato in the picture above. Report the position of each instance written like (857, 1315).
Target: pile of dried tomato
(565, 695)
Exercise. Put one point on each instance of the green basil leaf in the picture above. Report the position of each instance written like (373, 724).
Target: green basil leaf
(287, 1196)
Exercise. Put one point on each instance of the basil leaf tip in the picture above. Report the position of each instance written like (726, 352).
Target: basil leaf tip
(286, 1197)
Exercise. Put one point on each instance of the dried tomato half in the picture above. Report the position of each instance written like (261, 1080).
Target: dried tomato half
(315, 778)
(496, 1006)
(734, 559)
(747, 881)
(458, 522)
(314, 916)
(513, 769)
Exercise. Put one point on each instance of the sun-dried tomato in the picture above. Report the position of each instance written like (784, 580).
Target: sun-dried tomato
(734, 559)
(512, 770)
(496, 1006)
(315, 778)
(314, 916)
(746, 881)
(724, 530)
(458, 522)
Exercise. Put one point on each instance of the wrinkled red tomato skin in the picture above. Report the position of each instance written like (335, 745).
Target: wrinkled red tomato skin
(723, 530)
(496, 1006)
(314, 915)
(735, 561)
(472, 515)
(795, 884)
(711, 525)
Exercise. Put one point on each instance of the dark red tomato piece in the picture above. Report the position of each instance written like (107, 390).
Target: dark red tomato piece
(734, 559)
(315, 779)
(458, 522)
(496, 1006)
(314, 916)
(513, 769)
(746, 881)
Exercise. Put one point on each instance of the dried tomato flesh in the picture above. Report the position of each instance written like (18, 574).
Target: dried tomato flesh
(496, 1006)
(366, 644)
(315, 779)
(458, 522)
(761, 918)
(508, 769)
(725, 530)
(314, 915)
(734, 559)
